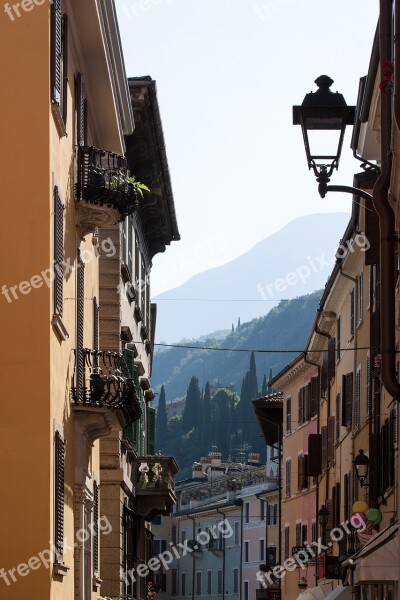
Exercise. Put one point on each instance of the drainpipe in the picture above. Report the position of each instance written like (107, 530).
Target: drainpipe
(318, 420)
(223, 558)
(194, 557)
(386, 219)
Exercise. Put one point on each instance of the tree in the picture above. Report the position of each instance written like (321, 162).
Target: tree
(238, 325)
(233, 328)
(205, 435)
(162, 423)
(264, 386)
(191, 414)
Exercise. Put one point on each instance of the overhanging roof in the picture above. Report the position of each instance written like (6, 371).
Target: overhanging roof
(269, 412)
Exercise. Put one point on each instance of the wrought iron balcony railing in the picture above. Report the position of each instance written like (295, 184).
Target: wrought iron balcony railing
(102, 379)
(104, 184)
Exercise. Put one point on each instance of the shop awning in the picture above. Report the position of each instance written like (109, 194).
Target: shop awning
(378, 560)
(341, 591)
(320, 592)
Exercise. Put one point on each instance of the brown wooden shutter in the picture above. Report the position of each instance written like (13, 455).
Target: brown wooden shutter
(300, 399)
(305, 471)
(314, 455)
(65, 68)
(331, 358)
(372, 235)
(368, 386)
(81, 111)
(80, 311)
(56, 51)
(347, 399)
(95, 324)
(333, 507)
(58, 253)
(337, 417)
(59, 477)
(324, 435)
(352, 312)
(299, 541)
(361, 296)
(314, 392)
(329, 525)
(300, 473)
(338, 504)
(346, 497)
(324, 375)
(331, 438)
(357, 400)
(95, 528)
(288, 415)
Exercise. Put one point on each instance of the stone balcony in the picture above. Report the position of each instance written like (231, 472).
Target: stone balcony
(155, 485)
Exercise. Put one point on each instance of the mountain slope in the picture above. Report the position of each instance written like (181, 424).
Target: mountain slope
(285, 327)
(296, 260)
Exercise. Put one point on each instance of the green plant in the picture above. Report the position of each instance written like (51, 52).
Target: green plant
(121, 184)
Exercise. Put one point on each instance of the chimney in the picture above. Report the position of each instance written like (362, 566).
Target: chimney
(197, 470)
(253, 458)
(215, 458)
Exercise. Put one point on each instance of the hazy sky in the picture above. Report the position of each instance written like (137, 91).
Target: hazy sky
(228, 73)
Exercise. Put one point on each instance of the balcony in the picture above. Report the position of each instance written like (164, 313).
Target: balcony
(155, 485)
(104, 192)
(104, 393)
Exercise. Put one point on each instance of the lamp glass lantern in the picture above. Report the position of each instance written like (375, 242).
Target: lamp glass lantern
(361, 463)
(323, 515)
(323, 117)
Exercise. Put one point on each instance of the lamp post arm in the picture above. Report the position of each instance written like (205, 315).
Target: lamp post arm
(323, 188)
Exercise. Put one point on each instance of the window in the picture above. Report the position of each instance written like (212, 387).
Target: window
(235, 581)
(59, 62)
(58, 253)
(198, 583)
(262, 510)
(236, 533)
(304, 533)
(314, 531)
(245, 590)
(368, 385)
(299, 541)
(262, 550)
(209, 582)
(288, 476)
(95, 538)
(347, 399)
(288, 415)
(337, 415)
(174, 586)
(357, 398)
(246, 551)
(338, 339)
(271, 556)
(302, 472)
(81, 112)
(173, 534)
(272, 514)
(247, 512)
(183, 536)
(59, 470)
(300, 406)
(360, 297)
(352, 311)
(80, 306)
(183, 584)
(219, 581)
(287, 539)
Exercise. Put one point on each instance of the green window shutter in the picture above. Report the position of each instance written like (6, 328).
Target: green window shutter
(131, 433)
(151, 430)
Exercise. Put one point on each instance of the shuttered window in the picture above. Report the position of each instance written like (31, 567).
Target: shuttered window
(314, 467)
(299, 541)
(314, 391)
(95, 324)
(151, 430)
(331, 358)
(302, 472)
(81, 112)
(95, 528)
(288, 415)
(337, 415)
(352, 311)
(357, 399)
(360, 297)
(288, 477)
(347, 399)
(368, 385)
(338, 332)
(331, 438)
(59, 477)
(324, 435)
(58, 254)
(287, 542)
(80, 311)
(300, 401)
(59, 58)
(346, 497)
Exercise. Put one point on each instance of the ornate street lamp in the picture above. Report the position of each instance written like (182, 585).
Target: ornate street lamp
(361, 463)
(323, 117)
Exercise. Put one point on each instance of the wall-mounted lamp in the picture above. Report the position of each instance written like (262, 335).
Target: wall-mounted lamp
(361, 463)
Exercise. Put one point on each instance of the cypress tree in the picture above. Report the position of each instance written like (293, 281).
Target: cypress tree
(191, 414)
(264, 386)
(162, 423)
